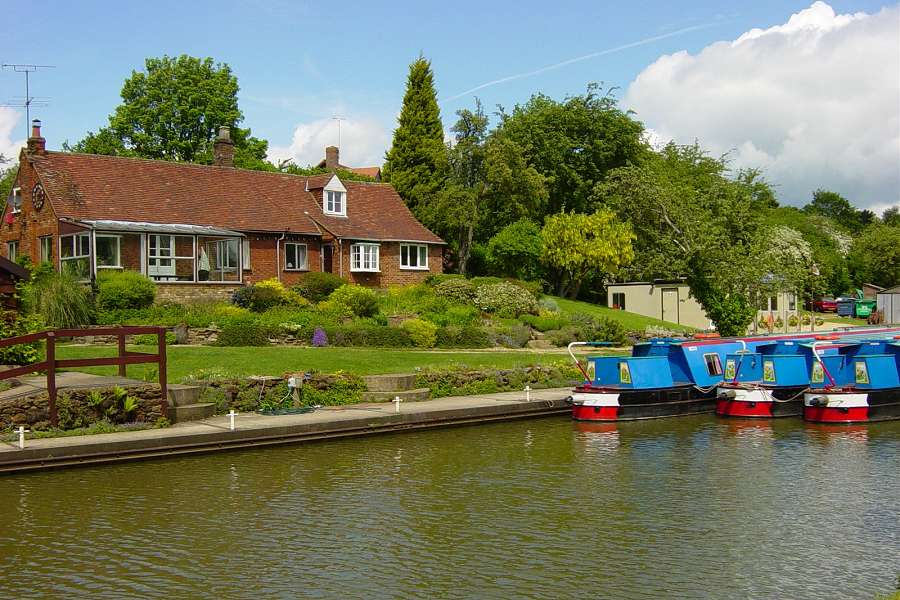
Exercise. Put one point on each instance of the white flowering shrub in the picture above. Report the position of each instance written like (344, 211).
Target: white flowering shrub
(505, 299)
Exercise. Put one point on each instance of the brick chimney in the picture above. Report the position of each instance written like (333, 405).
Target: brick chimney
(331, 158)
(223, 148)
(36, 144)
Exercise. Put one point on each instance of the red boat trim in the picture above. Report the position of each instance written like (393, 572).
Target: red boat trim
(595, 413)
(741, 408)
(831, 414)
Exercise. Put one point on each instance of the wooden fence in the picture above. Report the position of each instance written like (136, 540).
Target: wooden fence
(50, 363)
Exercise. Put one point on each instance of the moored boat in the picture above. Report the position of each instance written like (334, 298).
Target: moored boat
(859, 384)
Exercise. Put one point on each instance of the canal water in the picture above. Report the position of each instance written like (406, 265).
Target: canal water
(680, 508)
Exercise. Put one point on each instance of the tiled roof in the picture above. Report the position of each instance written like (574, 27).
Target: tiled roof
(94, 187)
(372, 172)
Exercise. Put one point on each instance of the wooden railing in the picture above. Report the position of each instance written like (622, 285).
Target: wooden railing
(50, 363)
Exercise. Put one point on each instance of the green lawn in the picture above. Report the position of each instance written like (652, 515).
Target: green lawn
(275, 360)
(631, 321)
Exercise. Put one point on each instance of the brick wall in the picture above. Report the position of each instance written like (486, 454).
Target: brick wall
(389, 264)
(263, 258)
(29, 225)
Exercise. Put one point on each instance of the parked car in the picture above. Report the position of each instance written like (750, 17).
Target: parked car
(825, 304)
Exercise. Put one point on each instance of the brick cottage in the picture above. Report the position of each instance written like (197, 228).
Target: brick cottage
(203, 230)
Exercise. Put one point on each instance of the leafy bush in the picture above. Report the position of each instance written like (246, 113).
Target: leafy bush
(459, 290)
(194, 314)
(265, 295)
(532, 287)
(549, 304)
(610, 330)
(454, 336)
(12, 325)
(566, 335)
(545, 322)
(422, 333)
(61, 301)
(355, 300)
(436, 278)
(453, 315)
(316, 286)
(457, 381)
(151, 339)
(124, 290)
(516, 250)
(370, 336)
(516, 336)
(505, 299)
(243, 330)
(410, 300)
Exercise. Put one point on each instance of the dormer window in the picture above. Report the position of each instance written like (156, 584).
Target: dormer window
(334, 198)
(334, 202)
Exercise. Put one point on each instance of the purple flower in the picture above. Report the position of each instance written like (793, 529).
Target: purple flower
(319, 338)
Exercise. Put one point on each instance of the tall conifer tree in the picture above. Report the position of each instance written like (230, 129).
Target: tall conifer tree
(416, 164)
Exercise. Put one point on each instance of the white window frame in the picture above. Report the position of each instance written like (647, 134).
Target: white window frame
(333, 194)
(16, 203)
(245, 254)
(223, 260)
(420, 250)
(76, 249)
(12, 250)
(305, 265)
(46, 253)
(118, 239)
(365, 258)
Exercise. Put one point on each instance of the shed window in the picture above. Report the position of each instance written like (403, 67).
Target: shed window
(713, 363)
(618, 300)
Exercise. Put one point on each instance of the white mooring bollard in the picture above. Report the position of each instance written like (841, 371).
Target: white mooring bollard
(22, 431)
(527, 393)
(231, 416)
(397, 402)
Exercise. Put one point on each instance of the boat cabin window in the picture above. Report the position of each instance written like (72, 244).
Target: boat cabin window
(713, 363)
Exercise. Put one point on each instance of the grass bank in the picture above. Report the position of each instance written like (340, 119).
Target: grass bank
(275, 360)
(630, 321)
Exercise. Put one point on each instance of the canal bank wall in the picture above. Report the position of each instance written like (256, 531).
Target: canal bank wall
(251, 429)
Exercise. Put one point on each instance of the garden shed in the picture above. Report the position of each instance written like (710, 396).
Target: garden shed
(888, 303)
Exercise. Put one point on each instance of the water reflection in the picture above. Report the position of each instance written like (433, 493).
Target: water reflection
(693, 507)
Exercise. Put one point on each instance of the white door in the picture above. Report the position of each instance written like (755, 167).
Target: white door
(161, 256)
(670, 305)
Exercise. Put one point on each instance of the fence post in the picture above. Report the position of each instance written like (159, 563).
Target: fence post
(51, 378)
(163, 384)
(123, 372)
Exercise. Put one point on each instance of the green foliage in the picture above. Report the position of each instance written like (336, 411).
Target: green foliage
(192, 314)
(422, 333)
(415, 165)
(453, 315)
(836, 207)
(173, 111)
(515, 336)
(317, 286)
(124, 290)
(456, 289)
(151, 339)
(505, 299)
(266, 295)
(355, 300)
(461, 380)
(545, 322)
(60, 300)
(13, 324)
(578, 246)
(875, 256)
(130, 405)
(243, 330)
(574, 144)
(456, 336)
(7, 178)
(516, 251)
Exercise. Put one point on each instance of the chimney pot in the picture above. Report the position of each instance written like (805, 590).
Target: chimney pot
(35, 128)
(225, 133)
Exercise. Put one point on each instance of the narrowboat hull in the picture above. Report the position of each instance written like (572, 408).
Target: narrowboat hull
(607, 404)
(852, 406)
(759, 402)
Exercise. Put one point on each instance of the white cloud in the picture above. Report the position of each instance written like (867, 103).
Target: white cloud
(363, 142)
(9, 146)
(814, 102)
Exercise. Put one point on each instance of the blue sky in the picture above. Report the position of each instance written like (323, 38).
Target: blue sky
(302, 63)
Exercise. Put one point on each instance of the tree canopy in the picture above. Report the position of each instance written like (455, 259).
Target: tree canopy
(416, 162)
(173, 110)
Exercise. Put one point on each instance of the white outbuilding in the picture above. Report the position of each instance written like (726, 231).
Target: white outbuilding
(888, 303)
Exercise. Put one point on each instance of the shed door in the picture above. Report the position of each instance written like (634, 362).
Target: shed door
(670, 305)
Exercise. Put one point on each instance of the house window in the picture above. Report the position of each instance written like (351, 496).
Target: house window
(334, 203)
(12, 250)
(414, 256)
(245, 253)
(47, 249)
(15, 200)
(713, 363)
(295, 257)
(74, 255)
(170, 257)
(109, 252)
(618, 300)
(773, 303)
(364, 257)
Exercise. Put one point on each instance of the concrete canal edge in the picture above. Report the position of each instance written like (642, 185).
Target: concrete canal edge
(214, 434)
